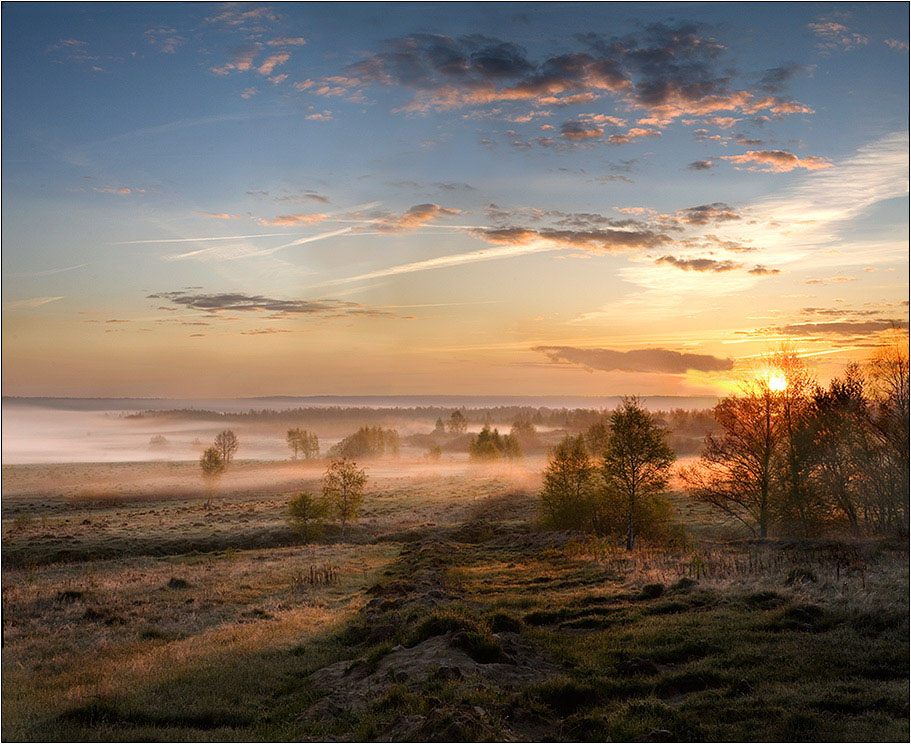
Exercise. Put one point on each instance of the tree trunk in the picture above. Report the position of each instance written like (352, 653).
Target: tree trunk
(630, 529)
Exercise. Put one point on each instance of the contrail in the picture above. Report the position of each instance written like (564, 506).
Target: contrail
(199, 240)
(46, 272)
(456, 259)
(264, 252)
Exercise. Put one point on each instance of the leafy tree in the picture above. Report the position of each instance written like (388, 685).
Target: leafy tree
(212, 465)
(306, 515)
(158, 441)
(303, 442)
(489, 445)
(570, 494)
(435, 452)
(343, 489)
(226, 443)
(458, 424)
(596, 438)
(523, 432)
(368, 441)
(637, 461)
(440, 427)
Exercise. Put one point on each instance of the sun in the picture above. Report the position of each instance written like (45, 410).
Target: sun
(777, 383)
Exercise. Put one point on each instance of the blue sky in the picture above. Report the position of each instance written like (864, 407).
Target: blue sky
(436, 198)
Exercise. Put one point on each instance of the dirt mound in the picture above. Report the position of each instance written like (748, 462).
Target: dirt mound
(353, 686)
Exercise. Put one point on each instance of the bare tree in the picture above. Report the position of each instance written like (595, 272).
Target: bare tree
(637, 461)
(226, 443)
(736, 470)
(343, 489)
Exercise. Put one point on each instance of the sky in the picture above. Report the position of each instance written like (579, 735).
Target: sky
(206, 199)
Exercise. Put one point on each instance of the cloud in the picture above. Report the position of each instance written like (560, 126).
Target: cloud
(271, 62)
(287, 41)
(578, 131)
(632, 135)
(416, 216)
(667, 70)
(707, 213)
(241, 302)
(220, 215)
(759, 270)
(897, 45)
(777, 161)
(699, 264)
(236, 16)
(842, 328)
(165, 39)
(249, 92)
(701, 165)
(834, 35)
(120, 190)
(241, 60)
(288, 220)
(774, 79)
(832, 280)
(660, 361)
(596, 239)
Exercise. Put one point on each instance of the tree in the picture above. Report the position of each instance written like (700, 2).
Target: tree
(226, 443)
(306, 515)
(736, 471)
(368, 441)
(434, 452)
(440, 427)
(838, 430)
(212, 465)
(458, 424)
(343, 489)
(489, 445)
(637, 460)
(570, 493)
(303, 442)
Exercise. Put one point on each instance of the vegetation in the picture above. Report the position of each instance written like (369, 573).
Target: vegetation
(457, 423)
(616, 493)
(303, 442)
(802, 459)
(212, 465)
(343, 490)
(637, 462)
(226, 443)
(306, 515)
(366, 442)
(489, 445)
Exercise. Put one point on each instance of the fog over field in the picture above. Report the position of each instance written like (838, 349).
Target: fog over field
(48, 430)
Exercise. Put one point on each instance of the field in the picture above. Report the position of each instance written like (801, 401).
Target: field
(133, 612)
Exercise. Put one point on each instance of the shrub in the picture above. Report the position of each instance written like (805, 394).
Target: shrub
(306, 514)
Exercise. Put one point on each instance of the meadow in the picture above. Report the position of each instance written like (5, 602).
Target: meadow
(133, 612)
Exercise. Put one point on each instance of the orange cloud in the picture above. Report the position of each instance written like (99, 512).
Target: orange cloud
(777, 161)
(418, 215)
(289, 220)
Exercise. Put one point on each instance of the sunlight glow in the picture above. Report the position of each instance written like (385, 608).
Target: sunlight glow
(777, 383)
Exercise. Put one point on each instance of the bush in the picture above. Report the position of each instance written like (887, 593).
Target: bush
(306, 515)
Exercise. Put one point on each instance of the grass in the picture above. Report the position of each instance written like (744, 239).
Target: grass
(715, 639)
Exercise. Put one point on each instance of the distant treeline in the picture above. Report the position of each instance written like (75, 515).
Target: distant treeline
(679, 420)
